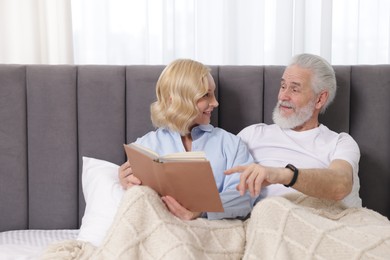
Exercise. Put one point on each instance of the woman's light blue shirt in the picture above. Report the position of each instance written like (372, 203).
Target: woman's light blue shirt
(223, 149)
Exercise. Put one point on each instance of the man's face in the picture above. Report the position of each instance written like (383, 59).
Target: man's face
(296, 99)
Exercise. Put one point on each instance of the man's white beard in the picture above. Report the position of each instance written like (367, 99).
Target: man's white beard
(298, 118)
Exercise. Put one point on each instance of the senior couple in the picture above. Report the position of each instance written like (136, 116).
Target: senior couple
(296, 153)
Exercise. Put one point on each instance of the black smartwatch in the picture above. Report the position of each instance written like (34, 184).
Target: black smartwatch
(295, 177)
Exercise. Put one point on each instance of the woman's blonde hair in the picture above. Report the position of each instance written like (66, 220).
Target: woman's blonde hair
(179, 87)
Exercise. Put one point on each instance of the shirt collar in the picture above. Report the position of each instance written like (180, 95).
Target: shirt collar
(199, 130)
(205, 128)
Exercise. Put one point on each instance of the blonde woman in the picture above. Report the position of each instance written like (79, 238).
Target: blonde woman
(185, 100)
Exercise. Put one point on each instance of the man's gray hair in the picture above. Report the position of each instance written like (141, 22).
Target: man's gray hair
(323, 74)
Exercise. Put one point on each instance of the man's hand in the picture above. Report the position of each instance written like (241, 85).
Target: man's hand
(178, 210)
(334, 182)
(126, 177)
(253, 177)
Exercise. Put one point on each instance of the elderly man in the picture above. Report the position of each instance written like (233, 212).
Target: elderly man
(298, 152)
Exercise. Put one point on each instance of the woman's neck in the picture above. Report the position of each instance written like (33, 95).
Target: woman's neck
(187, 142)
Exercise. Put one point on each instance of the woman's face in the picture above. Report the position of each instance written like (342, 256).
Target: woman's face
(206, 104)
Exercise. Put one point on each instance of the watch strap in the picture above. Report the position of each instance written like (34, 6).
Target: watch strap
(295, 177)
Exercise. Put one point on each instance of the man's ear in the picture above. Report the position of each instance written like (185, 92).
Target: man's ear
(321, 99)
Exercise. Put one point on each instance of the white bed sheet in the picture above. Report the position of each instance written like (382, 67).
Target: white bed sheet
(29, 244)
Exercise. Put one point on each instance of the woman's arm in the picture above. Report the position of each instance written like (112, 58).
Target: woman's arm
(235, 205)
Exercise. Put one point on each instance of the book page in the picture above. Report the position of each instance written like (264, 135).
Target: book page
(180, 156)
(152, 154)
(184, 156)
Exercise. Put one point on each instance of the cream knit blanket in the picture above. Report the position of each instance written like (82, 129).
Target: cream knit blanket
(291, 227)
(302, 227)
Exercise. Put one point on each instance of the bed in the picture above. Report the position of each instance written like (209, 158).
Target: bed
(54, 117)
(22, 244)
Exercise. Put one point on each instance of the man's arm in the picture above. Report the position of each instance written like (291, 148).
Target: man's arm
(334, 182)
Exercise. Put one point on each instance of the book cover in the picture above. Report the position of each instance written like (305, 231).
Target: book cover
(187, 177)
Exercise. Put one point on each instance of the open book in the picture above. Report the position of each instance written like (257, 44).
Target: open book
(186, 176)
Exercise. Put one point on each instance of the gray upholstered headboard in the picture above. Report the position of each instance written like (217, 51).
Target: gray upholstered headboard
(52, 115)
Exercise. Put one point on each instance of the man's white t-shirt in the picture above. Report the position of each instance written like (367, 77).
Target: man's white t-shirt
(316, 148)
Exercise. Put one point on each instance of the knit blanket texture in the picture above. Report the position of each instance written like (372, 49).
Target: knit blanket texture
(291, 227)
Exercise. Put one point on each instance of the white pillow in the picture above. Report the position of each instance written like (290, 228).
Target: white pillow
(103, 193)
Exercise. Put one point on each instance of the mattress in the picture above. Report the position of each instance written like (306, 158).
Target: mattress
(29, 244)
